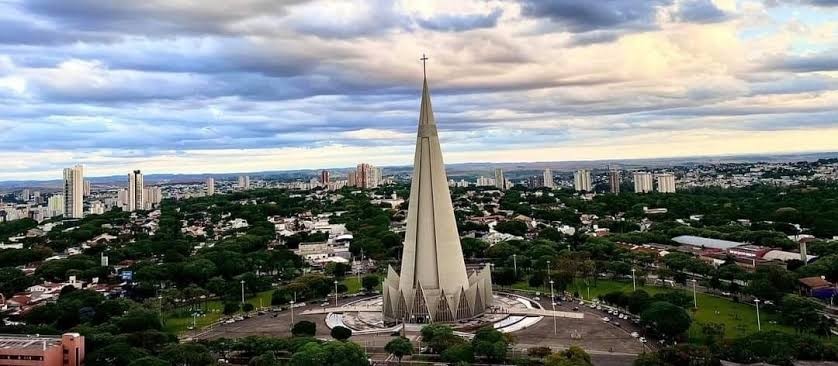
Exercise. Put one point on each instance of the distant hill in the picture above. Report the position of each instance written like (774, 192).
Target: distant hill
(462, 169)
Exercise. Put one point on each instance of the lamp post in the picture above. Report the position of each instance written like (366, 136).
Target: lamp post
(759, 325)
(242, 282)
(336, 293)
(695, 298)
(553, 303)
(515, 265)
(633, 281)
(292, 313)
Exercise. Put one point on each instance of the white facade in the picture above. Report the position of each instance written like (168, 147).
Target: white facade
(74, 192)
(642, 182)
(433, 285)
(210, 186)
(548, 178)
(582, 180)
(136, 198)
(153, 197)
(614, 181)
(500, 181)
(55, 205)
(244, 182)
(666, 183)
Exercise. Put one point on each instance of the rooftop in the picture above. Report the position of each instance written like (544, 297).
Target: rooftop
(18, 341)
(706, 242)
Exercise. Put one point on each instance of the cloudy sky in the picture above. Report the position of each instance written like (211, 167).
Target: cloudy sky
(229, 86)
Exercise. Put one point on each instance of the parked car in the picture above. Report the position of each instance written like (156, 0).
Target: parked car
(642, 340)
(635, 334)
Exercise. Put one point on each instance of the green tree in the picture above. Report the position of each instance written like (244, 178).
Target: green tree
(149, 361)
(187, 354)
(304, 328)
(369, 282)
(341, 333)
(399, 347)
(573, 356)
(800, 312)
(458, 353)
(491, 344)
(667, 319)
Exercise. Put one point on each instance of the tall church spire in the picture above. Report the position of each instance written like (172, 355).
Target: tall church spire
(432, 261)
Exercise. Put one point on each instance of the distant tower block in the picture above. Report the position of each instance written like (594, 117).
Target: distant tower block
(433, 285)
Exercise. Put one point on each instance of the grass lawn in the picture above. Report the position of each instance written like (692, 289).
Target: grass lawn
(178, 320)
(739, 319)
(353, 286)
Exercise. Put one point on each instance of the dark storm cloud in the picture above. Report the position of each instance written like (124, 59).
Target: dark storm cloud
(156, 17)
(459, 23)
(821, 62)
(700, 11)
(585, 16)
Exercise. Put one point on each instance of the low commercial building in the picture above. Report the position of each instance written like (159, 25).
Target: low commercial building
(64, 350)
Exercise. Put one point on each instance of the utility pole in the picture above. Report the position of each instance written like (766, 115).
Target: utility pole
(515, 265)
(633, 281)
(759, 325)
(553, 302)
(242, 282)
(695, 298)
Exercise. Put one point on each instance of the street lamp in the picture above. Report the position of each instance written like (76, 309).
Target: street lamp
(515, 265)
(292, 313)
(759, 325)
(695, 299)
(242, 282)
(548, 269)
(633, 281)
(553, 303)
(336, 293)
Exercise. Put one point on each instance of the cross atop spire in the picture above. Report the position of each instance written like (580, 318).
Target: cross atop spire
(423, 59)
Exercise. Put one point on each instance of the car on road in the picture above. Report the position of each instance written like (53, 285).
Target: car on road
(642, 340)
(324, 304)
(606, 319)
(635, 334)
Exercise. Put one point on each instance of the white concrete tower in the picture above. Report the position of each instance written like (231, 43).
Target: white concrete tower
(74, 192)
(433, 285)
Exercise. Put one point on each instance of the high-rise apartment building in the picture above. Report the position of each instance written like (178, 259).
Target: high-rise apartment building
(485, 182)
(244, 182)
(136, 198)
(614, 181)
(55, 205)
(582, 180)
(324, 178)
(367, 176)
(74, 192)
(666, 183)
(500, 180)
(87, 188)
(210, 186)
(548, 178)
(642, 182)
(153, 197)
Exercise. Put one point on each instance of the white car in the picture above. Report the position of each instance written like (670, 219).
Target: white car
(642, 340)
(599, 307)
(536, 298)
(635, 334)
(606, 319)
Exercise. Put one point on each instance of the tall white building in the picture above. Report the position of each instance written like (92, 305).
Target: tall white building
(153, 197)
(642, 182)
(244, 182)
(55, 205)
(136, 198)
(500, 181)
(582, 180)
(548, 178)
(666, 183)
(74, 192)
(484, 181)
(210, 186)
(97, 208)
(87, 188)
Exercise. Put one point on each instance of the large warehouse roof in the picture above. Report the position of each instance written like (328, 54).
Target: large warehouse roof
(706, 242)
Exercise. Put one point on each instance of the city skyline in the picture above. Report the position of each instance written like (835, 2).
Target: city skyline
(171, 88)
